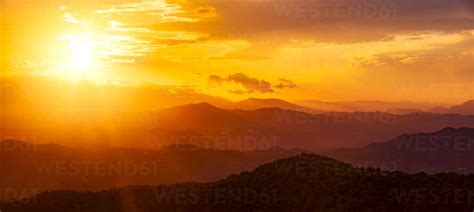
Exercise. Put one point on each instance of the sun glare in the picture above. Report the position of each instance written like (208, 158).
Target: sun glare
(82, 62)
(81, 56)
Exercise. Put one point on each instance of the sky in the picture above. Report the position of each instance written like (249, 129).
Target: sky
(331, 50)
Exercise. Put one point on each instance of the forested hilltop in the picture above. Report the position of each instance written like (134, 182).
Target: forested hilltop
(306, 182)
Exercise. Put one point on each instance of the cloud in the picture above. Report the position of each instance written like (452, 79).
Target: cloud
(214, 79)
(446, 63)
(249, 84)
(71, 18)
(284, 83)
(323, 20)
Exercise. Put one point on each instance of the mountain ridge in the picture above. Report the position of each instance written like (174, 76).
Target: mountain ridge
(465, 108)
(299, 183)
(446, 150)
(42, 167)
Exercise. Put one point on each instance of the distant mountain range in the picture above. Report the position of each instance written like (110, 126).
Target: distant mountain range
(34, 168)
(317, 106)
(208, 126)
(301, 183)
(466, 108)
(294, 129)
(447, 150)
(255, 104)
(368, 106)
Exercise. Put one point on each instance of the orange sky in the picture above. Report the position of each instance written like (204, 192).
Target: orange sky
(404, 50)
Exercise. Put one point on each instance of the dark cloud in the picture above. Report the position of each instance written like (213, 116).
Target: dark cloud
(214, 79)
(331, 20)
(284, 83)
(250, 84)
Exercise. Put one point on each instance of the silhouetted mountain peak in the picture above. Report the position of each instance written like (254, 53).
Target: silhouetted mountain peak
(446, 150)
(466, 108)
(297, 166)
(457, 131)
(202, 107)
(447, 130)
(255, 103)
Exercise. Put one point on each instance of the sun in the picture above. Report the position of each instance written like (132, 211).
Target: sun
(83, 62)
(81, 56)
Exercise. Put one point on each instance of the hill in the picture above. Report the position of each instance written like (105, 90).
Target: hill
(254, 104)
(296, 129)
(447, 150)
(301, 183)
(466, 108)
(36, 168)
(207, 126)
(368, 106)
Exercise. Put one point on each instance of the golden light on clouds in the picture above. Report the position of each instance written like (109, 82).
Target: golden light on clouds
(184, 42)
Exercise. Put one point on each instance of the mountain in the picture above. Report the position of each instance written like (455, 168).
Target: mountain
(466, 108)
(254, 104)
(203, 117)
(447, 150)
(300, 183)
(208, 126)
(295, 129)
(440, 110)
(368, 106)
(42, 167)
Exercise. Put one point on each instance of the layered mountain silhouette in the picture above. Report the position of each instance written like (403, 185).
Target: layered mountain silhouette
(368, 106)
(254, 104)
(295, 129)
(447, 150)
(301, 183)
(208, 126)
(36, 168)
(466, 108)
(317, 106)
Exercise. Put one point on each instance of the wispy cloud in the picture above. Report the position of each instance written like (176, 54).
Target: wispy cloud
(162, 10)
(71, 18)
